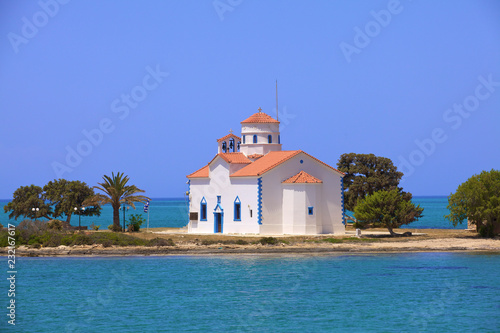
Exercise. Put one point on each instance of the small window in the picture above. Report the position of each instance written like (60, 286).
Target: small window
(218, 199)
(250, 213)
(255, 139)
(269, 139)
(203, 210)
(310, 210)
(279, 138)
(244, 139)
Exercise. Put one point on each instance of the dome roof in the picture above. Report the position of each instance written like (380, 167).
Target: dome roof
(260, 118)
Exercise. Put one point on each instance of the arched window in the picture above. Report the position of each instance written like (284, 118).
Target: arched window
(224, 146)
(255, 139)
(269, 138)
(231, 145)
(237, 209)
(203, 210)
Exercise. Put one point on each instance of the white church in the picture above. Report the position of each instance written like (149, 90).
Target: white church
(253, 187)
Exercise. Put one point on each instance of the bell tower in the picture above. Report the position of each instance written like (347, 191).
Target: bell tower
(229, 143)
(260, 134)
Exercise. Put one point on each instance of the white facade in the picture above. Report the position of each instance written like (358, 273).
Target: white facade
(264, 190)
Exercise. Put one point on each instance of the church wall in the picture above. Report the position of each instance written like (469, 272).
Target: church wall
(328, 218)
(219, 184)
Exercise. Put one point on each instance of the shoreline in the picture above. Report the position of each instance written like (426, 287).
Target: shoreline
(372, 241)
(417, 246)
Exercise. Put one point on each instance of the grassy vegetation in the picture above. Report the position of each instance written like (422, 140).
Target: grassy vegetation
(348, 240)
(269, 241)
(224, 242)
(37, 234)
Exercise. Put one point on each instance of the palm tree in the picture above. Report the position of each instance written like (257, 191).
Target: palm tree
(117, 192)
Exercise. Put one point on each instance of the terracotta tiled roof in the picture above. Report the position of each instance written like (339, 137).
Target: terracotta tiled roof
(302, 177)
(255, 156)
(260, 117)
(202, 173)
(238, 158)
(266, 163)
(229, 136)
(258, 167)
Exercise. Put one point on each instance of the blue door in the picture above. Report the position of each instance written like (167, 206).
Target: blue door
(218, 222)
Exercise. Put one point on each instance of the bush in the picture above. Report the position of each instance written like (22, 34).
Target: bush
(82, 239)
(135, 222)
(95, 227)
(161, 242)
(29, 229)
(486, 230)
(114, 228)
(55, 224)
(107, 243)
(269, 241)
(241, 242)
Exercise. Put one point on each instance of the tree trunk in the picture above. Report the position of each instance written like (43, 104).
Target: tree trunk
(116, 216)
(391, 231)
(68, 218)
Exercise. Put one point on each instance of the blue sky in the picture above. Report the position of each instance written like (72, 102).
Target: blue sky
(146, 87)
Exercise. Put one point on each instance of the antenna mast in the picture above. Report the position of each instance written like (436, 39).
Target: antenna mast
(277, 100)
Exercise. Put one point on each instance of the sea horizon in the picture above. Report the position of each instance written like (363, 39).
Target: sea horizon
(173, 213)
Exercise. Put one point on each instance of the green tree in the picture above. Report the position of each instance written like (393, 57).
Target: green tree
(25, 198)
(117, 192)
(366, 174)
(386, 209)
(478, 200)
(65, 195)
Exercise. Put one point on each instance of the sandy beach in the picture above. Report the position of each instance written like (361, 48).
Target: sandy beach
(371, 241)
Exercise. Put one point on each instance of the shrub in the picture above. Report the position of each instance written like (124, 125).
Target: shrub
(107, 243)
(82, 239)
(241, 242)
(28, 229)
(95, 227)
(486, 230)
(135, 222)
(55, 224)
(269, 241)
(114, 228)
(161, 242)
(4, 238)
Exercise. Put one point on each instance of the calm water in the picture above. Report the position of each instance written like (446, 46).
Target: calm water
(173, 213)
(162, 213)
(373, 293)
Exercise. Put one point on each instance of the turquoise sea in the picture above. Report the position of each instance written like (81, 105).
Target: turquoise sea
(173, 213)
(417, 292)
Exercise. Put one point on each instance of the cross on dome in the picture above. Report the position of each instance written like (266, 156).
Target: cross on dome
(231, 131)
(260, 109)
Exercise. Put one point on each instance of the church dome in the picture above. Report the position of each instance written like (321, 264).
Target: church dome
(260, 118)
